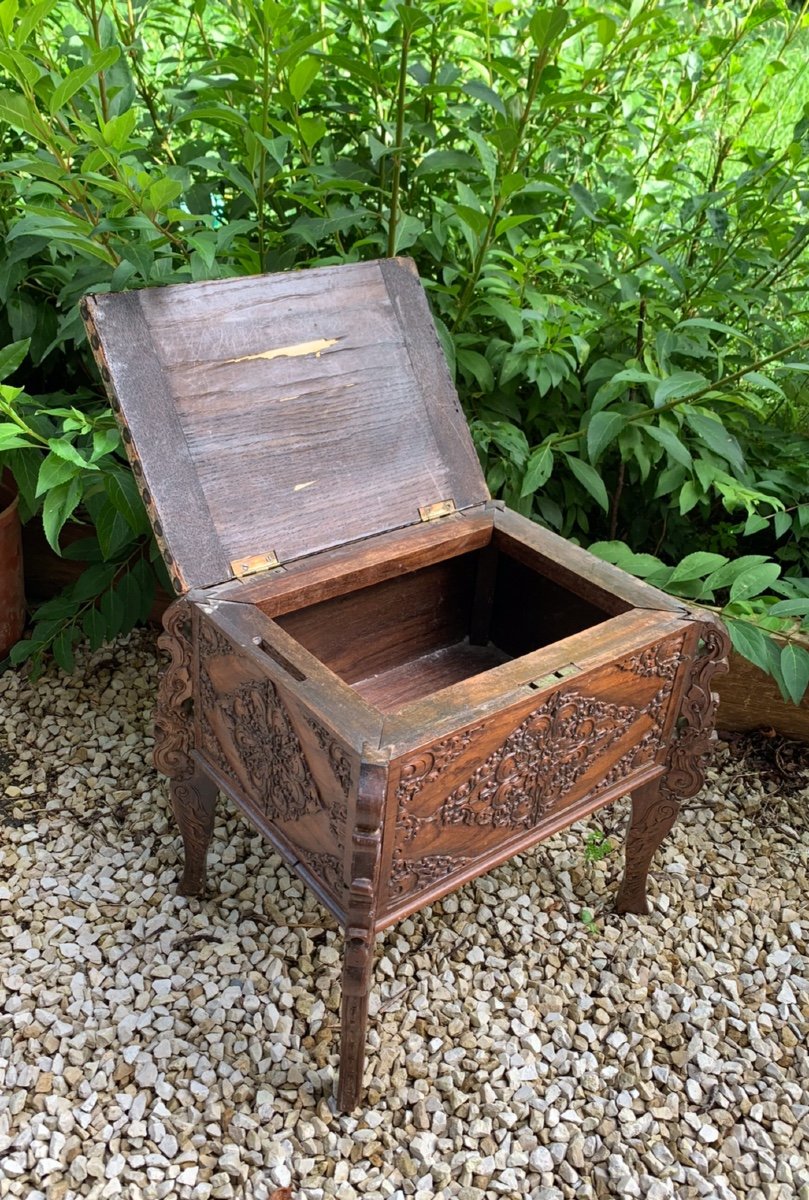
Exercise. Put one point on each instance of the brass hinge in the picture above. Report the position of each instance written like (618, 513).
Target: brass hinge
(242, 567)
(555, 676)
(431, 512)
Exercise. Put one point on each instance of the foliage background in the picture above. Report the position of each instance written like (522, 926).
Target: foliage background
(609, 206)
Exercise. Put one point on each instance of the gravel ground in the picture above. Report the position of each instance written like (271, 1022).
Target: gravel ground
(153, 1046)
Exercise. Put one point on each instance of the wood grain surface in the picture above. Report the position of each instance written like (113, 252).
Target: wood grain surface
(285, 413)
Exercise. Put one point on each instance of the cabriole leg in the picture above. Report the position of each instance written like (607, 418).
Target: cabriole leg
(653, 814)
(655, 805)
(193, 796)
(193, 802)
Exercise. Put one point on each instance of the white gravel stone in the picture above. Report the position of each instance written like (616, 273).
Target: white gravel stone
(153, 1046)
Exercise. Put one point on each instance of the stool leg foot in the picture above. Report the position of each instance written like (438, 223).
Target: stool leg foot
(357, 967)
(193, 801)
(654, 812)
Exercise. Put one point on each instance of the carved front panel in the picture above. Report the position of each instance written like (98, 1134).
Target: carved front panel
(492, 783)
(288, 765)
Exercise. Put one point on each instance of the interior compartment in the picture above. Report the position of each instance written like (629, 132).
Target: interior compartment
(408, 636)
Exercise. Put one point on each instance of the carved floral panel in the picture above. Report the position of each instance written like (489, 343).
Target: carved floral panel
(552, 757)
(247, 732)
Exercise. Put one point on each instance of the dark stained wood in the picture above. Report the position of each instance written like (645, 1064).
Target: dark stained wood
(393, 688)
(400, 705)
(485, 696)
(141, 398)
(336, 572)
(601, 583)
(378, 628)
(529, 610)
(285, 413)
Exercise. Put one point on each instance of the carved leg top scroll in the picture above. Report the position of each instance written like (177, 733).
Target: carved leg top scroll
(695, 728)
(174, 731)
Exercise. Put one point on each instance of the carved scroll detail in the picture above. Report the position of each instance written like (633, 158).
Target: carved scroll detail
(695, 726)
(412, 874)
(248, 734)
(338, 759)
(173, 727)
(327, 867)
(428, 766)
(655, 807)
(535, 767)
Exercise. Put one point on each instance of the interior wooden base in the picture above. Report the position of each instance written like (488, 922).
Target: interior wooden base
(416, 631)
(389, 690)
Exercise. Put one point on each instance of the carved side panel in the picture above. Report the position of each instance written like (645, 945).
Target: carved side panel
(463, 797)
(290, 767)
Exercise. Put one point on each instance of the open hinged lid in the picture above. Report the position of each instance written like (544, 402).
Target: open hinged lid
(273, 416)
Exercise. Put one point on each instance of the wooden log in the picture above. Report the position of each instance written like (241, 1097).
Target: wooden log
(750, 699)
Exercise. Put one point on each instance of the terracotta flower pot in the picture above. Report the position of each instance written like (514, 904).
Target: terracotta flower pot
(12, 597)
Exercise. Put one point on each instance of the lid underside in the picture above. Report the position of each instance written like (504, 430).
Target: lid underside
(283, 414)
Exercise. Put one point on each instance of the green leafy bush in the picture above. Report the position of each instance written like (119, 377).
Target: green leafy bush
(608, 204)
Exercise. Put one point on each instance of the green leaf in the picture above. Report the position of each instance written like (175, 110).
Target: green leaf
(724, 576)
(789, 608)
(93, 581)
(697, 565)
(65, 449)
(312, 129)
(754, 581)
(23, 650)
(118, 130)
(538, 470)
(782, 522)
(112, 528)
(618, 553)
(60, 503)
(445, 160)
(671, 443)
(795, 670)
(750, 641)
(302, 76)
(12, 437)
(162, 192)
(104, 442)
(20, 114)
(100, 61)
(95, 628)
(590, 480)
(479, 90)
(510, 440)
(125, 498)
(412, 18)
(547, 26)
(603, 428)
(716, 438)
(677, 386)
(690, 495)
(112, 610)
(130, 596)
(53, 471)
(63, 649)
(11, 356)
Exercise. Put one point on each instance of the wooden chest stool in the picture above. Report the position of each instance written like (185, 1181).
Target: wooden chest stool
(399, 682)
